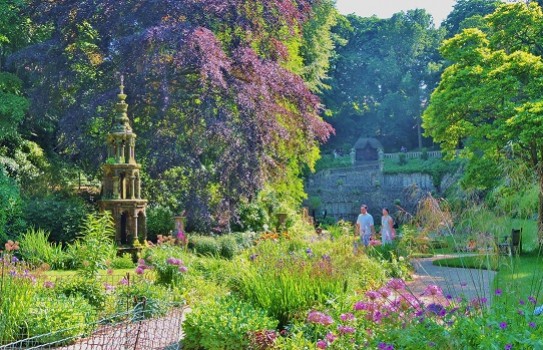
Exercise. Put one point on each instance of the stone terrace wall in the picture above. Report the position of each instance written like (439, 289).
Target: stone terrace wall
(341, 191)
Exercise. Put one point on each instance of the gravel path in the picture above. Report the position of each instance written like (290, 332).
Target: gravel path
(457, 282)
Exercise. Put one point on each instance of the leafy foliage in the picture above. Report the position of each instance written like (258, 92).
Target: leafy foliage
(36, 249)
(489, 99)
(58, 214)
(224, 323)
(381, 79)
(218, 82)
(11, 218)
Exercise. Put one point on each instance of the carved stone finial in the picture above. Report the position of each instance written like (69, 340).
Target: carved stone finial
(122, 84)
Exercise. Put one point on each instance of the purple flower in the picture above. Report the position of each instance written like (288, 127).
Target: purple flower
(463, 284)
(319, 318)
(331, 337)
(108, 287)
(437, 309)
(321, 344)
(345, 329)
(396, 284)
(48, 284)
(372, 295)
(532, 299)
(503, 325)
(532, 324)
(308, 251)
(498, 292)
(326, 257)
(124, 281)
(183, 269)
(253, 257)
(140, 270)
(508, 347)
(385, 292)
(521, 302)
(347, 317)
(432, 289)
(14, 259)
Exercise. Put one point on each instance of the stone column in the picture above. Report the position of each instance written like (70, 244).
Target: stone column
(132, 187)
(115, 187)
(138, 188)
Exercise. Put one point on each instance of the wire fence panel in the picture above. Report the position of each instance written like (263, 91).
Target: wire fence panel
(123, 331)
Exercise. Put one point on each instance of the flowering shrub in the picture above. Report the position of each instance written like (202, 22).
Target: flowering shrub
(393, 318)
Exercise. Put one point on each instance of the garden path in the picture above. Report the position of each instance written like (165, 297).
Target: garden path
(456, 282)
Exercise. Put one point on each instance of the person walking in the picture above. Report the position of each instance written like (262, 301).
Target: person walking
(387, 227)
(364, 225)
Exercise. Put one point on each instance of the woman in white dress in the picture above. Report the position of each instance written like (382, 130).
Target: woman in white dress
(387, 227)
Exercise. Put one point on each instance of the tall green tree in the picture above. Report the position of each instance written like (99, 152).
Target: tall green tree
(215, 88)
(382, 78)
(490, 99)
(467, 12)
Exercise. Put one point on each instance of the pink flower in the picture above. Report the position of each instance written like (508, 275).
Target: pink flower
(433, 290)
(345, 330)
(385, 292)
(124, 281)
(321, 344)
(372, 295)
(347, 317)
(396, 284)
(331, 337)
(319, 318)
(108, 287)
(48, 284)
(140, 270)
(183, 269)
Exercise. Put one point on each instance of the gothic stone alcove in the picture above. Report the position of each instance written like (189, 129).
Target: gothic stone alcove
(367, 151)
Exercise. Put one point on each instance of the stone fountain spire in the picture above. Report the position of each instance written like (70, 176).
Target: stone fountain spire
(121, 183)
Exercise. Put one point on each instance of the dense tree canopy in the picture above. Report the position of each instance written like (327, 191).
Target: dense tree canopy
(382, 78)
(215, 88)
(466, 13)
(490, 98)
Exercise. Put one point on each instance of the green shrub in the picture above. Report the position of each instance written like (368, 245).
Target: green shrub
(36, 249)
(157, 298)
(11, 215)
(122, 262)
(88, 288)
(159, 222)
(203, 245)
(251, 216)
(244, 240)
(229, 247)
(224, 324)
(60, 216)
(95, 247)
(15, 301)
(402, 159)
(59, 319)
(168, 263)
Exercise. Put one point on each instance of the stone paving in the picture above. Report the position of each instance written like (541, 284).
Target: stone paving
(457, 282)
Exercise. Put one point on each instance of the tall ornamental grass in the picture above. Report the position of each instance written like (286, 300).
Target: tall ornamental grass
(36, 249)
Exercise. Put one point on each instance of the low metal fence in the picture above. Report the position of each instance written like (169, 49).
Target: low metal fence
(123, 331)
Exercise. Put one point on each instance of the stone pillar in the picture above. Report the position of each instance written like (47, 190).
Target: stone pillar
(132, 187)
(115, 187)
(138, 188)
(353, 156)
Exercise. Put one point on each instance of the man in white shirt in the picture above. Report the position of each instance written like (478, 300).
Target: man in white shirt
(364, 225)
